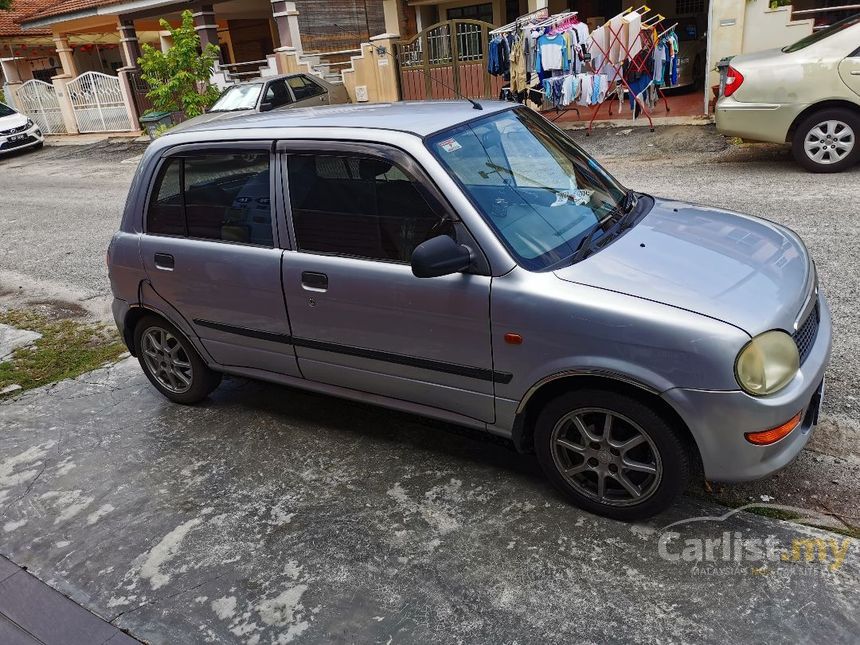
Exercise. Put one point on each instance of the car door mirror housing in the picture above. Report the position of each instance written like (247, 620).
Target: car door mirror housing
(266, 106)
(440, 256)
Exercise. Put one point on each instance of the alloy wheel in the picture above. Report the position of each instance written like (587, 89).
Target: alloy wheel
(167, 360)
(829, 142)
(606, 457)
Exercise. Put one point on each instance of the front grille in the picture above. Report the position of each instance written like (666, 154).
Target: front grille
(805, 335)
(22, 128)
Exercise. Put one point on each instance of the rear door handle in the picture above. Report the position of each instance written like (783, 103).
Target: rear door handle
(855, 72)
(164, 261)
(314, 281)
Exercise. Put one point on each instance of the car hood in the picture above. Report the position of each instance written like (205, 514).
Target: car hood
(12, 121)
(745, 271)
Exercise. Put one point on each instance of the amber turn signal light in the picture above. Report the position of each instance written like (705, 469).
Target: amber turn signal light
(767, 437)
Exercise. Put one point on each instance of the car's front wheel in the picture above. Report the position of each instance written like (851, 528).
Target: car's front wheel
(170, 362)
(826, 141)
(611, 454)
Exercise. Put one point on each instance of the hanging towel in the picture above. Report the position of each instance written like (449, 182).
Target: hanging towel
(617, 34)
(634, 26)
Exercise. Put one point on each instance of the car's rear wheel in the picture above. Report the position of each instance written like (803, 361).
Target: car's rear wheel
(611, 454)
(827, 141)
(171, 363)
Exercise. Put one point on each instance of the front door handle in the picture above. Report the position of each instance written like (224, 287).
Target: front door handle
(855, 72)
(164, 261)
(313, 281)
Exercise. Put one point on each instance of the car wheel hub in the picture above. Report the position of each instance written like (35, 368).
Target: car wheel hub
(606, 457)
(829, 142)
(166, 360)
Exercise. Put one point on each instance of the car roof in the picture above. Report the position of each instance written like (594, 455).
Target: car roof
(416, 117)
(267, 79)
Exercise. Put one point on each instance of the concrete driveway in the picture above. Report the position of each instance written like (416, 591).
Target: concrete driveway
(272, 515)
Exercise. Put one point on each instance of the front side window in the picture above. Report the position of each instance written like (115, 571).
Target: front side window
(278, 94)
(359, 206)
(537, 189)
(304, 88)
(238, 97)
(219, 196)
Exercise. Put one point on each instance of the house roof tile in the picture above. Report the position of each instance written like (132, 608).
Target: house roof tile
(10, 21)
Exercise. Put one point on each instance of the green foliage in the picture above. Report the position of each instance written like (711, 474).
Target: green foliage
(5, 5)
(67, 349)
(179, 78)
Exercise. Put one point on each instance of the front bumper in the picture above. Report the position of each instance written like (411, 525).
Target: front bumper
(719, 419)
(28, 139)
(755, 121)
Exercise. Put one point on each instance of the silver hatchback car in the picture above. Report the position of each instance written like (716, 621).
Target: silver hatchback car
(480, 268)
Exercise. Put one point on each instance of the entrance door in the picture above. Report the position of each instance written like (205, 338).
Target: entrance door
(209, 251)
(447, 60)
(360, 319)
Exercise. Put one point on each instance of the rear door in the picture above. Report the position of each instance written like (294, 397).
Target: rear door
(307, 92)
(211, 250)
(360, 318)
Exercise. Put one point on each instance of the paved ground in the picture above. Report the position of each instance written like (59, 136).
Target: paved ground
(276, 515)
(271, 516)
(31, 613)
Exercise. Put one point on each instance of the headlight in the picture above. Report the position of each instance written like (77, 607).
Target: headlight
(767, 363)
(30, 123)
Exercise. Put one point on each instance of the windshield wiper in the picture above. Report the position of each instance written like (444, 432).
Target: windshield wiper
(627, 208)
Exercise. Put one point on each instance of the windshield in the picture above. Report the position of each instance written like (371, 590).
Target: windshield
(238, 97)
(822, 34)
(540, 192)
(6, 110)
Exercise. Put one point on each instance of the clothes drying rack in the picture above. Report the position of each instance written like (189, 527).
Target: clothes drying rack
(632, 62)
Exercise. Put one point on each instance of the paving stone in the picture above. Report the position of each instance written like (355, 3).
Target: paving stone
(48, 615)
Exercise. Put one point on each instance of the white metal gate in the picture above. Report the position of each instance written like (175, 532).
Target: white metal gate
(97, 101)
(38, 101)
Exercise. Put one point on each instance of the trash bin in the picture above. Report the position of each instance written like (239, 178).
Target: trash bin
(151, 121)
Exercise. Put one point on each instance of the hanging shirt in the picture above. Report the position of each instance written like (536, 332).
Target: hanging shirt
(569, 89)
(551, 53)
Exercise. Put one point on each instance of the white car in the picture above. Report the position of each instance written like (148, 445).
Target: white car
(17, 131)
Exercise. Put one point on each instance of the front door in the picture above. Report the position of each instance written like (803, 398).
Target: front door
(360, 319)
(849, 70)
(210, 251)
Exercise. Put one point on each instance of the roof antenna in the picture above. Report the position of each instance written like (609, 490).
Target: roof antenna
(382, 51)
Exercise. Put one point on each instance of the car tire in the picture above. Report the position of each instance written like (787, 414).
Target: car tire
(575, 454)
(171, 363)
(827, 128)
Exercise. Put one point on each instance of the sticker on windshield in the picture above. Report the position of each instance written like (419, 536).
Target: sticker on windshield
(450, 145)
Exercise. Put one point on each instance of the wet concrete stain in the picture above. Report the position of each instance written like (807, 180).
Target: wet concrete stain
(268, 515)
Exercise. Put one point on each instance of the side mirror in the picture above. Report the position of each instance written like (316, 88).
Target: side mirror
(440, 256)
(266, 106)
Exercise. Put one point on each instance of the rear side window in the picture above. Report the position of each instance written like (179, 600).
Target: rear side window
(304, 88)
(224, 197)
(359, 206)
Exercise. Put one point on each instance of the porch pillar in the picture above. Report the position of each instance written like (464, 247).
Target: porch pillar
(14, 79)
(286, 17)
(206, 27)
(66, 54)
(129, 45)
(65, 102)
(534, 5)
(395, 17)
